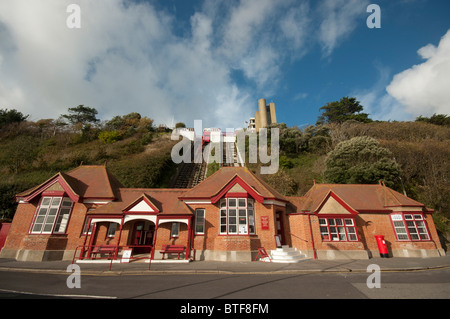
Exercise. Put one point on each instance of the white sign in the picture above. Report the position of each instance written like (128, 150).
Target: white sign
(277, 238)
(126, 255)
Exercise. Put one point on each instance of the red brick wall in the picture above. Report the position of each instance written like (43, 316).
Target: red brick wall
(367, 225)
(300, 234)
(19, 237)
(213, 240)
(297, 232)
(380, 224)
(163, 236)
(20, 225)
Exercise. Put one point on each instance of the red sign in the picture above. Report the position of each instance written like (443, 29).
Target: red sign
(265, 222)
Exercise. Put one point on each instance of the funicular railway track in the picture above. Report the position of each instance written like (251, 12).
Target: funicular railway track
(190, 174)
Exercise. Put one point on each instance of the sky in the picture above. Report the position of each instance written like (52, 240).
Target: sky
(212, 60)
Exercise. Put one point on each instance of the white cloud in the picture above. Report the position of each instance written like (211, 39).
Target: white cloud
(419, 90)
(377, 103)
(424, 89)
(338, 21)
(129, 57)
(296, 27)
(123, 59)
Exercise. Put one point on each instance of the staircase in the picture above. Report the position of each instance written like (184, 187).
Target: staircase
(287, 254)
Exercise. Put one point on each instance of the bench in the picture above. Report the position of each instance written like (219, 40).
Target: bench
(110, 250)
(169, 249)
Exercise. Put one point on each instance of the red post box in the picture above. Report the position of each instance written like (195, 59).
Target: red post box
(382, 248)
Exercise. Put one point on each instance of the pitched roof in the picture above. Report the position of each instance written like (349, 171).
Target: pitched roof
(295, 204)
(165, 200)
(359, 197)
(212, 185)
(87, 181)
(94, 181)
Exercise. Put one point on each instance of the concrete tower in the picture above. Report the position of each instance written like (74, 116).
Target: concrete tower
(266, 115)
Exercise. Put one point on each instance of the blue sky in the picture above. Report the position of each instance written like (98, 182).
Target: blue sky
(178, 60)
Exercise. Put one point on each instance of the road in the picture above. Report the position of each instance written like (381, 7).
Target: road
(412, 284)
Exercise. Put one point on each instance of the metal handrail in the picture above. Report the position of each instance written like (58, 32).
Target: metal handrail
(297, 237)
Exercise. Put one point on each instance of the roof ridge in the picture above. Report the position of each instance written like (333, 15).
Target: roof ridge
(105, 171)
(265, 185)
(152, 189)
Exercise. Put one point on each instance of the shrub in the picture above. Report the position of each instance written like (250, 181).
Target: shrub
(361, 160)
(109, 136)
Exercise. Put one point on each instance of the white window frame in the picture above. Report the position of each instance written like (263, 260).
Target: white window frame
(86, 228)
(112, 228)
(410, 226)
(200, 221)
(338, 229)
(52, 215)
(237, 216)
(175, 230)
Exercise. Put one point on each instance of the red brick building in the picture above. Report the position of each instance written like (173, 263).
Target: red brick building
(226, 217)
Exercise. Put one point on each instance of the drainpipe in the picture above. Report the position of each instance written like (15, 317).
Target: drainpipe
(85, 238)
(188, 248)
(91, 241)
(154, 239)
(312, 237)
(118, 240)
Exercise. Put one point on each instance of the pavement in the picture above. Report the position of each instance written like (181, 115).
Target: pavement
(229, 268)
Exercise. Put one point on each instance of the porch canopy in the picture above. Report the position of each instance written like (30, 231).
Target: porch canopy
(157, 206)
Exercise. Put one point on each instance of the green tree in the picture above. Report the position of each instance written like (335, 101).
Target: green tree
(130, 124)
(361, 160)
(20, 153)
(81, 115)
(348, 108)
(437, 119)
(109, 136)
(11, 116)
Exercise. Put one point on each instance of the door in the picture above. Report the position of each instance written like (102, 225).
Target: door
(280, 227)
(142, 236)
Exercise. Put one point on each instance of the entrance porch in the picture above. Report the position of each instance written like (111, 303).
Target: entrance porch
(137, 237)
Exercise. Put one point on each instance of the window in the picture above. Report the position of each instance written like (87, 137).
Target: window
(52, 215)
(85, 227)
(200, 221)
(111, 230)
(410, 227)
(175, 232)
(337, 229)
(237, 216)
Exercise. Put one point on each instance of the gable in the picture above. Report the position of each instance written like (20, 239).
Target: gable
(225, 178)
(142, 206)
(56, 185)
(237, 189)
(240, 185)
(333, 205)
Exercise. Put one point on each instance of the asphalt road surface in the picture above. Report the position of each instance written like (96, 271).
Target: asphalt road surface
(227, 296)
(424, 284)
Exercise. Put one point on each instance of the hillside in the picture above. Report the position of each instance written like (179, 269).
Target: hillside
(30, 154)
(139, 156)
(421, 150)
